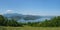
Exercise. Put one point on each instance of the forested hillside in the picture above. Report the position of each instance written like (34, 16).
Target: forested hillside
(54, 22)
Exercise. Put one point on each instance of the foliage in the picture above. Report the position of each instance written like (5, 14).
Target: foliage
(54, 22)
(6, 22)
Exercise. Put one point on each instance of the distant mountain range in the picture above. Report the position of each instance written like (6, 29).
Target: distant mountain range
(26, 18)
(20, 16)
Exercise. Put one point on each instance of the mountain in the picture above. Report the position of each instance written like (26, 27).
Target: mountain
(17, 16)
(12, 15)
(31, 17)
(26, 18)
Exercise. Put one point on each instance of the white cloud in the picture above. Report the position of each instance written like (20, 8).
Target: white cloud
(9, 11)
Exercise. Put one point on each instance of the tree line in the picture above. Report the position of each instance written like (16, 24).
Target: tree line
(54, 22)
(6, 22)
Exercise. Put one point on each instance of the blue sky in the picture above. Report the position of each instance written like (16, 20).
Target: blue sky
(31, 7)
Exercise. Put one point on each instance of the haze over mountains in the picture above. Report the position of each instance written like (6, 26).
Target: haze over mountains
(20, 16)
(26, 18)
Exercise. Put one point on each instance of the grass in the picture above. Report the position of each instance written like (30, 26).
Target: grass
(29, 28)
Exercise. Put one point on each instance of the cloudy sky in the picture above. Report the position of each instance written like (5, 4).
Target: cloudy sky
(30, 7)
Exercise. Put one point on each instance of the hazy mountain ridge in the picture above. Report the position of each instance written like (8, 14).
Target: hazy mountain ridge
(26, 18)
(20, 16)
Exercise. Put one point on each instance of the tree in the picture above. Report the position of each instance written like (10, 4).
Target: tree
(54, 22)
(2, 19)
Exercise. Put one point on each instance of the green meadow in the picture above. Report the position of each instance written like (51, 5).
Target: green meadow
(29, 28)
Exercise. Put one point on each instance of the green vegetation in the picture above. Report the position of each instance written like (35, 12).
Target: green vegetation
(6, 22)
(30, 28)
(52, 24)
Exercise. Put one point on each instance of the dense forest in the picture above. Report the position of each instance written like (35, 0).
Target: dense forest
(54, 22)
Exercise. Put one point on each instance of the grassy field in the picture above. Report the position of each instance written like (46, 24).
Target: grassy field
(29, 28)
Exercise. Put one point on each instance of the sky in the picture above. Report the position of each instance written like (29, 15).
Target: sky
(31, 7)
